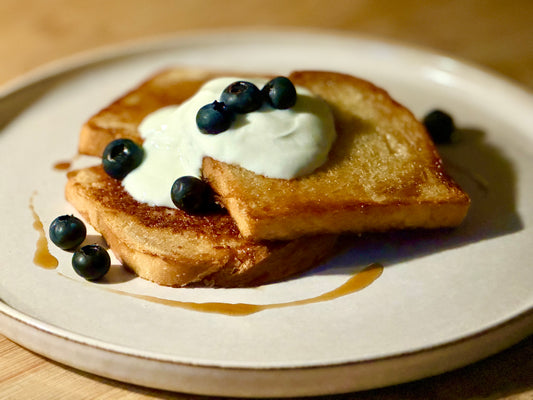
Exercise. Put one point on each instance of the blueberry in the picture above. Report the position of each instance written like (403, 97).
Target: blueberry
(242, 97)
(214, 118)
(91, 262)
(120, 157)
(280, 93)
(192, 195)
(67, 232)
(439, 125)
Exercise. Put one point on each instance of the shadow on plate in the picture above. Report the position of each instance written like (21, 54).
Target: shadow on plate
(15, 103)
(481, 169)
(117, 274)
(19, 99)
(484, 173)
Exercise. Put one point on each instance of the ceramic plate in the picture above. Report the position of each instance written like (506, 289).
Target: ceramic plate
(444, 299)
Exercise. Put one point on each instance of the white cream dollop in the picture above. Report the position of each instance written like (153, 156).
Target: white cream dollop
(275, 143)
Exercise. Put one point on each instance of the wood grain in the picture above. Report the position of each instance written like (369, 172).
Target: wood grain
(495, 34)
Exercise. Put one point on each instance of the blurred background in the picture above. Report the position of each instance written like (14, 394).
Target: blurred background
(495, 34)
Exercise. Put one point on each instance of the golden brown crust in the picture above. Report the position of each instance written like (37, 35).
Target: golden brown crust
(382, 173)
(122, 117)
(173, 248)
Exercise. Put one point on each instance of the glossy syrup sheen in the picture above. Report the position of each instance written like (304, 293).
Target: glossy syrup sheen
(42, 257)
(65, 165)
(62, 165)
(356, 282)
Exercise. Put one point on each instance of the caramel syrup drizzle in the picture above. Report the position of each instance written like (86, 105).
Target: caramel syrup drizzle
(356, 282)
(62, 165)
(42, 257)
(65, 165)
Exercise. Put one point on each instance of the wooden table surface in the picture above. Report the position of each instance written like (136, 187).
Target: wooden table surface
(496, 34)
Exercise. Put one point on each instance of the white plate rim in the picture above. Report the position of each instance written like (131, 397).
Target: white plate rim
(507, 333)
(126, 366)
(129, 47)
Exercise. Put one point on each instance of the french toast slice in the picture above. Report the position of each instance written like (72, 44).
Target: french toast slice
(173, 248)
(382, 173)
(121, 118)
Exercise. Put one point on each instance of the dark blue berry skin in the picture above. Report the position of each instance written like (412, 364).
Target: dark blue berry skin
(242, 97)
(214, 118)
(120, 157)
(91, 262)
(439, 125)
(192, 195)
(280, 93)
(67, 232)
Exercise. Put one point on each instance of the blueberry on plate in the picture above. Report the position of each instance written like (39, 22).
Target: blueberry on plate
(192, 195)
(280, 93)
(91, 262)
(242, 97)
(214, 118)
(67, 232)
(120, 157)
(439, 125)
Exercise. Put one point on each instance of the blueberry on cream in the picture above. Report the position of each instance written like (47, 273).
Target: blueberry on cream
(120, 157)
(273, 142)
(242, 97)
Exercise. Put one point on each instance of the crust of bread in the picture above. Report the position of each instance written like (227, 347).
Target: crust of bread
(121, 118)
(383, 173)
(173, 248)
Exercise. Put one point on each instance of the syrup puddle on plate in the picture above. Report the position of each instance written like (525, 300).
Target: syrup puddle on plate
(355, 283)
(65, 165)
(62, 165)
(42, 257)
(358, 281)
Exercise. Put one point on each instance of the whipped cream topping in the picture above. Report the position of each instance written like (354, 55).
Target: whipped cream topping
(275, 143)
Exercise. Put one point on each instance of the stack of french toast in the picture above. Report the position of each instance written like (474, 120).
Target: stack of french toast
(383, 173)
